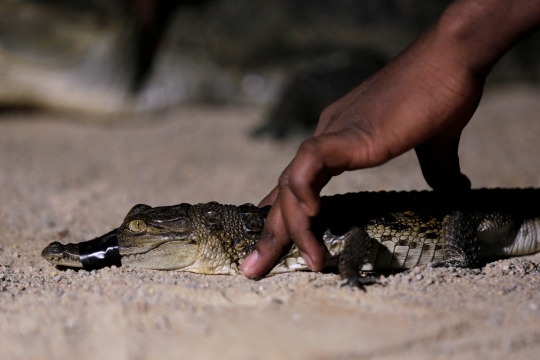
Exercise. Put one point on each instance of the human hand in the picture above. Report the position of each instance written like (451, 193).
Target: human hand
(406, 105)
(422, 99)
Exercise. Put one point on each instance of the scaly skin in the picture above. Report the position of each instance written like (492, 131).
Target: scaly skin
(367, 231)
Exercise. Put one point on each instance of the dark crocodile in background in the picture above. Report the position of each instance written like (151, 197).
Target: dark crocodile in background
(362, 231)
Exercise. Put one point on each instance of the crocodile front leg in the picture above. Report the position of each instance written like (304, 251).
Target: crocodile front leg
(357, 244)
(460, 241)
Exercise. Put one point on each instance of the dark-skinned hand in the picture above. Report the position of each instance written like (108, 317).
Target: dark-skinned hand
(422, 99)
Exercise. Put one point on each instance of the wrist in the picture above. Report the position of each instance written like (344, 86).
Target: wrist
(474, 34)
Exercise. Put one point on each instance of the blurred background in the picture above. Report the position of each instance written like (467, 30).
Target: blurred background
(293, 57)
(105, 104)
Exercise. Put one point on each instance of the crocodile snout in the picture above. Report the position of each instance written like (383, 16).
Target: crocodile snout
(53, 250)
(64, 255)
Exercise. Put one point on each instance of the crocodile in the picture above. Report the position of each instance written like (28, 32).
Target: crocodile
(363, 231)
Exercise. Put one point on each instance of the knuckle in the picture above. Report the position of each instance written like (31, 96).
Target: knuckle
(283, 181)
(363, 126)
(327, 114)
(309, 147)
(273, 241)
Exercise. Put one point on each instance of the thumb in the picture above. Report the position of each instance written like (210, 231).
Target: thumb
(439, 161)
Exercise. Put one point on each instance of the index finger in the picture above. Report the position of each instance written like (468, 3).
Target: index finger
(317, 160)
(297, 221)
(273, 242)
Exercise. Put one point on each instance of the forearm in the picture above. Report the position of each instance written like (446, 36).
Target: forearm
(476, 33)
(436, 82)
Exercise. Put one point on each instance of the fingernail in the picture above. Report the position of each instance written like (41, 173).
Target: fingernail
(249, 262)
(307, 259)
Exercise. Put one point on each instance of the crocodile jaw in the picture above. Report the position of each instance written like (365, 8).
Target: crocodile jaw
(171, 255)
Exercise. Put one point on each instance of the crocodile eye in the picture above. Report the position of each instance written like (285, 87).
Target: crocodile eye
(137, 226)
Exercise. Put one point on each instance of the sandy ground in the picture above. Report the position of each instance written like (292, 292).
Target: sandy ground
(67, 178)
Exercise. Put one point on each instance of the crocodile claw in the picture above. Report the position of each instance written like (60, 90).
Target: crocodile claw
(359, 282)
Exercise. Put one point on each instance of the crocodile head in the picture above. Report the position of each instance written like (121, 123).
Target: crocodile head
(205, 238)
(161, 238)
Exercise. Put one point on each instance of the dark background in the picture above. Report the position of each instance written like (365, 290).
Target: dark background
(293, 56)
